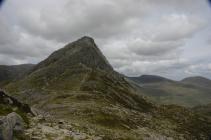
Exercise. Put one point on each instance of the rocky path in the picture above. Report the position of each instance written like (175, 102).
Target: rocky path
(41, 128)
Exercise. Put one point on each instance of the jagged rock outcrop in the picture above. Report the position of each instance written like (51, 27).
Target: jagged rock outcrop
(8, 100)
(13, 117)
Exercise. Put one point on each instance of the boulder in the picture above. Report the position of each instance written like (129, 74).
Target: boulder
(10, 124)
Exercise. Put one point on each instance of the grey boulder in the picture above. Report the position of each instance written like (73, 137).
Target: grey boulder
(10, 124)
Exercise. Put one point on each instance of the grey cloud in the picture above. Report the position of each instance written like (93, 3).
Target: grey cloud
(28, 46)
(197, 69)
(137, 36)
(147, 48)
(17, 47)
(7, 35)
(104, 19)
(6, 59)
(176, 27)
(99, 18)
(152, 67)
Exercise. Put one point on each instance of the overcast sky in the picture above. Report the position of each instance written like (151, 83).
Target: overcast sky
(171, 38)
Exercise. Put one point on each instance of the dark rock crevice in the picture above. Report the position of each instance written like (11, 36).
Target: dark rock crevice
(8, 100)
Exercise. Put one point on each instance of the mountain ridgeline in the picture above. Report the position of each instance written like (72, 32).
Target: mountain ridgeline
(77, 84)
(144, 79)
(198, 81)
(9, 73)
(189, 92)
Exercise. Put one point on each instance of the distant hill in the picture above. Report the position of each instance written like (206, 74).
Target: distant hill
(198, 81)
(147, 79)
(165, 91)
(9, 73)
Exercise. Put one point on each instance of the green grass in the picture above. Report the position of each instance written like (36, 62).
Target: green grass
(4, 110)
(106, 103)
(176, 93)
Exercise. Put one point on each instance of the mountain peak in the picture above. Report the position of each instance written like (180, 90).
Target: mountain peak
(83, 51)
(87, 39)
(83, 42)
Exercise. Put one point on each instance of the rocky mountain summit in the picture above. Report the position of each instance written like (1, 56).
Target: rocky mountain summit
(77, 84)
(83, 51)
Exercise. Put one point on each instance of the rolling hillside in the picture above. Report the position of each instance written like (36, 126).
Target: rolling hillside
(187, 92)
(198, 81)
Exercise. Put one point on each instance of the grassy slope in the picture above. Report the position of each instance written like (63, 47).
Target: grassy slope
(176, 93)
(105, 102)
(198, 81)
(204, 110)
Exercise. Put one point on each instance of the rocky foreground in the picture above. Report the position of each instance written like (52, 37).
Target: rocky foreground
(42, 126)
(31, 124)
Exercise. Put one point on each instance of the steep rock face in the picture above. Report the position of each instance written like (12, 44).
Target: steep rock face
(83, 51)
